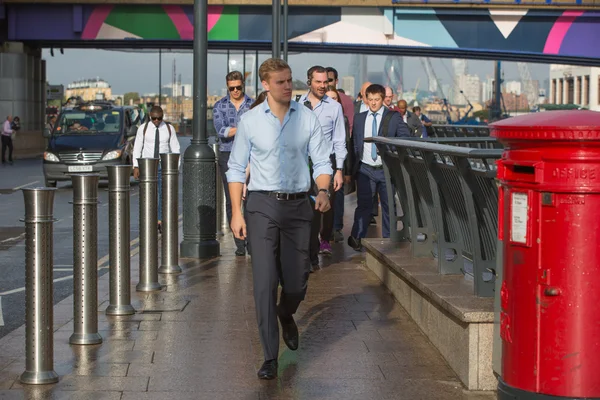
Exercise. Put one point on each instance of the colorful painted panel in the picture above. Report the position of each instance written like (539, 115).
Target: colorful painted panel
(551, 32)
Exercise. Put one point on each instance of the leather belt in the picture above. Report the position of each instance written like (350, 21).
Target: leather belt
(372, 166)
(284, 196)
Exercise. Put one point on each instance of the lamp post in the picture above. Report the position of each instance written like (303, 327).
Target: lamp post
(199, 166)
(276, 33)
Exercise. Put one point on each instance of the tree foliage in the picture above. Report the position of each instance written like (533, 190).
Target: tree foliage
(135, 96)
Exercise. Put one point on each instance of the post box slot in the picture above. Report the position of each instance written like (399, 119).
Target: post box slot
(523, 169)
(523, 173)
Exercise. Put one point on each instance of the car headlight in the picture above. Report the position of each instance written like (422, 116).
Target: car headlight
(48, 156)
(111, 155)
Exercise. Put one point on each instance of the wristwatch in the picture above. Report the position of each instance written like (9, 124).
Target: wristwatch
(339, 169)
(326, 191)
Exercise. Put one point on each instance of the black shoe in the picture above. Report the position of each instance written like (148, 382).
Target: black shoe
(160, 228)
(338, 236)
(289, 331)
(373, 221)
(240, 252)
(268, 370)
(354, 243)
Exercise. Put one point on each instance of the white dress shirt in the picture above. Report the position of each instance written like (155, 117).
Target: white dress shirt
(144, 143)
(366, 158)
(6, 130)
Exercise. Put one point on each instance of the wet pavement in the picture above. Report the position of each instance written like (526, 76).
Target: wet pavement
(198, 339)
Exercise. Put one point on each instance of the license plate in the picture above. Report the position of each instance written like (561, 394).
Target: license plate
(81, 168)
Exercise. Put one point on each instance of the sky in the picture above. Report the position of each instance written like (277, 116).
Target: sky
(129, 71)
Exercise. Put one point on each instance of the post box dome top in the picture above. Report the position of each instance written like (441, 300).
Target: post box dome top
(550, 125)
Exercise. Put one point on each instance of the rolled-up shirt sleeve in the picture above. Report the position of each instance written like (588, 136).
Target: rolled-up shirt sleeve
(220, 123)
(319, 150)
(240, 155)
(339, 138)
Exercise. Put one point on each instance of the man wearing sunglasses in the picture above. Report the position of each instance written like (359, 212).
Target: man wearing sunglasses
(154, 138)
(226, 116)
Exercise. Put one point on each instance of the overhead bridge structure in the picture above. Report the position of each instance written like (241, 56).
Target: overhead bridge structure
(518, 34)
(535, 31)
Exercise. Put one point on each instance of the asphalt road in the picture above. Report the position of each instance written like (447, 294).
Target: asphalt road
(28, 173)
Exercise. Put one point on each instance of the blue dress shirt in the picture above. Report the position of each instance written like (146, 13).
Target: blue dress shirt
(225, 117)
(331, 118)
(278, 153)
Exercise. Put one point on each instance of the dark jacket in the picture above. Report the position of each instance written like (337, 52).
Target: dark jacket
(414, 124)
(396, 128)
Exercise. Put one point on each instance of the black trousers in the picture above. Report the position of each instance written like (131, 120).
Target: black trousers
(7, 143)
(279, 233)
(223, 160)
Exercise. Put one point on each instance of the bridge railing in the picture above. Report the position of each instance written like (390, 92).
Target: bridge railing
(446, 197)
(459, 131)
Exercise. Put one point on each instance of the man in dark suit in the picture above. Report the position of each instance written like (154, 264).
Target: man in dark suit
(368, 167)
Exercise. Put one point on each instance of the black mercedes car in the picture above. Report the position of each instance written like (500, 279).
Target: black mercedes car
(88, 138)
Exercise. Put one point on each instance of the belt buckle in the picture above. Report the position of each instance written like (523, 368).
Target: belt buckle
(282, 196)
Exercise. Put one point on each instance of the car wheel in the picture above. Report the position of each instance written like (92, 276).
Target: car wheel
(50, 183)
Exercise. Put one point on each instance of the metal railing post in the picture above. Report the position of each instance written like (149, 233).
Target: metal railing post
(39, 332)
(118, 231)
(85, 259)
(148, 225)
(170, 206)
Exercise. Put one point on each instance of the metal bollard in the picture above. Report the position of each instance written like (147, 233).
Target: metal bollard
(170, 206)
(118, 231)
(39, 332)
(148, 226)
(85, 259)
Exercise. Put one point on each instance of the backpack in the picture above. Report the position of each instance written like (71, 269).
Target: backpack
(385, 123)
(146, 128)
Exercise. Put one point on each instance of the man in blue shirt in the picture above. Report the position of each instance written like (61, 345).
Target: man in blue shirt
(331, 117)
(275, 139)
(226, 115)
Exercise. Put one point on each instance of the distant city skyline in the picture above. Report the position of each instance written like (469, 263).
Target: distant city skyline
(138, 71)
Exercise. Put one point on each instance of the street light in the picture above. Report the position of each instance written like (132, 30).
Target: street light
(199, 166)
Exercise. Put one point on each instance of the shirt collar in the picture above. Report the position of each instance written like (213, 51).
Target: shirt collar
(379, 112)
(246, 99)
(304, 97)
(264, 106)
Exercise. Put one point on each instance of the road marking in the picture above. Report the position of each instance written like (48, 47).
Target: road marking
(25, 185)
(100, 265)
(63, 269)
(21, 236)
(1, 317)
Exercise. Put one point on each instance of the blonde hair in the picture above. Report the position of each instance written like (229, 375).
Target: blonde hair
(272, 65)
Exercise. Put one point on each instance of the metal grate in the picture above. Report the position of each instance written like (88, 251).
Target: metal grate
(80, 157)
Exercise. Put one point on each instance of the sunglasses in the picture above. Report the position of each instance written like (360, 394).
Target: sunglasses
(232, 88)
(330, 80)
(156, 118)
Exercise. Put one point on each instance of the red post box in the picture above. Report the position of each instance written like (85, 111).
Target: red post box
(550, 295)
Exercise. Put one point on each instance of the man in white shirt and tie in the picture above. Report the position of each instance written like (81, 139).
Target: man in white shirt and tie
(152, 140)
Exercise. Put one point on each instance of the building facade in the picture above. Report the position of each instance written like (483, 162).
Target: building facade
(89, 89)
(471, 87)
(575, 85)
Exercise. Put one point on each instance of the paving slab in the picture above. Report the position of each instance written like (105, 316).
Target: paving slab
(197, 339)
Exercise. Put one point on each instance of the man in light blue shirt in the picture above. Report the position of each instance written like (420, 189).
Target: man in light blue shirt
(331, 117)
(276, 138)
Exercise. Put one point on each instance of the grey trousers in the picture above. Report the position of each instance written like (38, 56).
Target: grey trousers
(279, 233)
